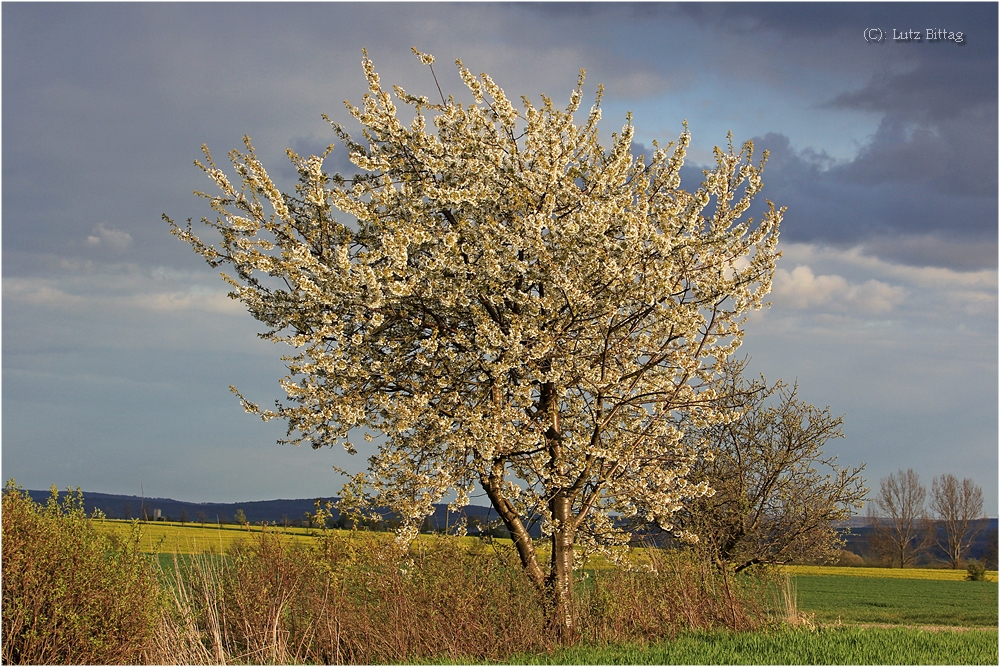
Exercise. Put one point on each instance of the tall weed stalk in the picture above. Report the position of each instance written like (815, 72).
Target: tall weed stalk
(671, 593)
(354, 599)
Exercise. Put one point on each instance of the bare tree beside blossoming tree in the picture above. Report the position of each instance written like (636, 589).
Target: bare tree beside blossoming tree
(778, 496)
(517, 307)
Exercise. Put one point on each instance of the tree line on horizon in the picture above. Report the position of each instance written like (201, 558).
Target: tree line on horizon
(906, 526)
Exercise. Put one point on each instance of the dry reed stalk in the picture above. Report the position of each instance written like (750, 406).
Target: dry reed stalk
(790, 600)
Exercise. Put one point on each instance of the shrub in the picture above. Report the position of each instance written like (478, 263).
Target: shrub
(352, 599)
(847, 558)
(71, 594)
(976, 570)
(358, 598)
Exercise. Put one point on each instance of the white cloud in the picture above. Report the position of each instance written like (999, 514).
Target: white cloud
(852, 283)
(875, 296)
(109, 237)
(801, 288)
(120, 289)
(37, 292)
(191, 299)
(860, 259)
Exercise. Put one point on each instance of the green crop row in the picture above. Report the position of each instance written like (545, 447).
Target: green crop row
(843, 645)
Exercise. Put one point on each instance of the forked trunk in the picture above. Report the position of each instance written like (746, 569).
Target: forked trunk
(557, 586)
(518, 533)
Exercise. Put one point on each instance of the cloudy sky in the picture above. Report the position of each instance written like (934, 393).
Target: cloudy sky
(119, 343)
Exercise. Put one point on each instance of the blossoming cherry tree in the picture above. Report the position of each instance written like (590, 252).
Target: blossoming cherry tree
(516, 308)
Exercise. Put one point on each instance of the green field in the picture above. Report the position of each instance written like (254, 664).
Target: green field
(843, 645)
(898, 601)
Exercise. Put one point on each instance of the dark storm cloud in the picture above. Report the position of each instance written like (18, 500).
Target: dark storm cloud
(935, 90)
(923, 187)
(829, 204)
(742, 18)
(730, 17)
(903, 219)
(939, 127)
(953, 157)
(930, 169)
(938, 104)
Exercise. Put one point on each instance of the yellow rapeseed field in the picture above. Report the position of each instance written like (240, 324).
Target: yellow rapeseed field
(882, 572)
(169, 537)
(193, 538)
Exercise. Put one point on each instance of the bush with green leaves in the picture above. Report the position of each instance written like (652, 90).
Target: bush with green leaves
(71, 594)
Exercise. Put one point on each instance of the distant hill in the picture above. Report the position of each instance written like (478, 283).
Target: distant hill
(117, 506)
(276, 512)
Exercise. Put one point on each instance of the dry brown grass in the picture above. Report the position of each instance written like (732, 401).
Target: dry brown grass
(353, 599)
(673, 592)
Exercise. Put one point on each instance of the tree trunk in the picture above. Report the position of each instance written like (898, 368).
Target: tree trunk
(558, 585)
(518, 533)
(560, 581)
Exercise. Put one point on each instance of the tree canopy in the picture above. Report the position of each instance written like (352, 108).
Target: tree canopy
(516, 307)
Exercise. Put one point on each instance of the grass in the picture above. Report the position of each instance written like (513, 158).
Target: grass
(853, 599)
(843, 645)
